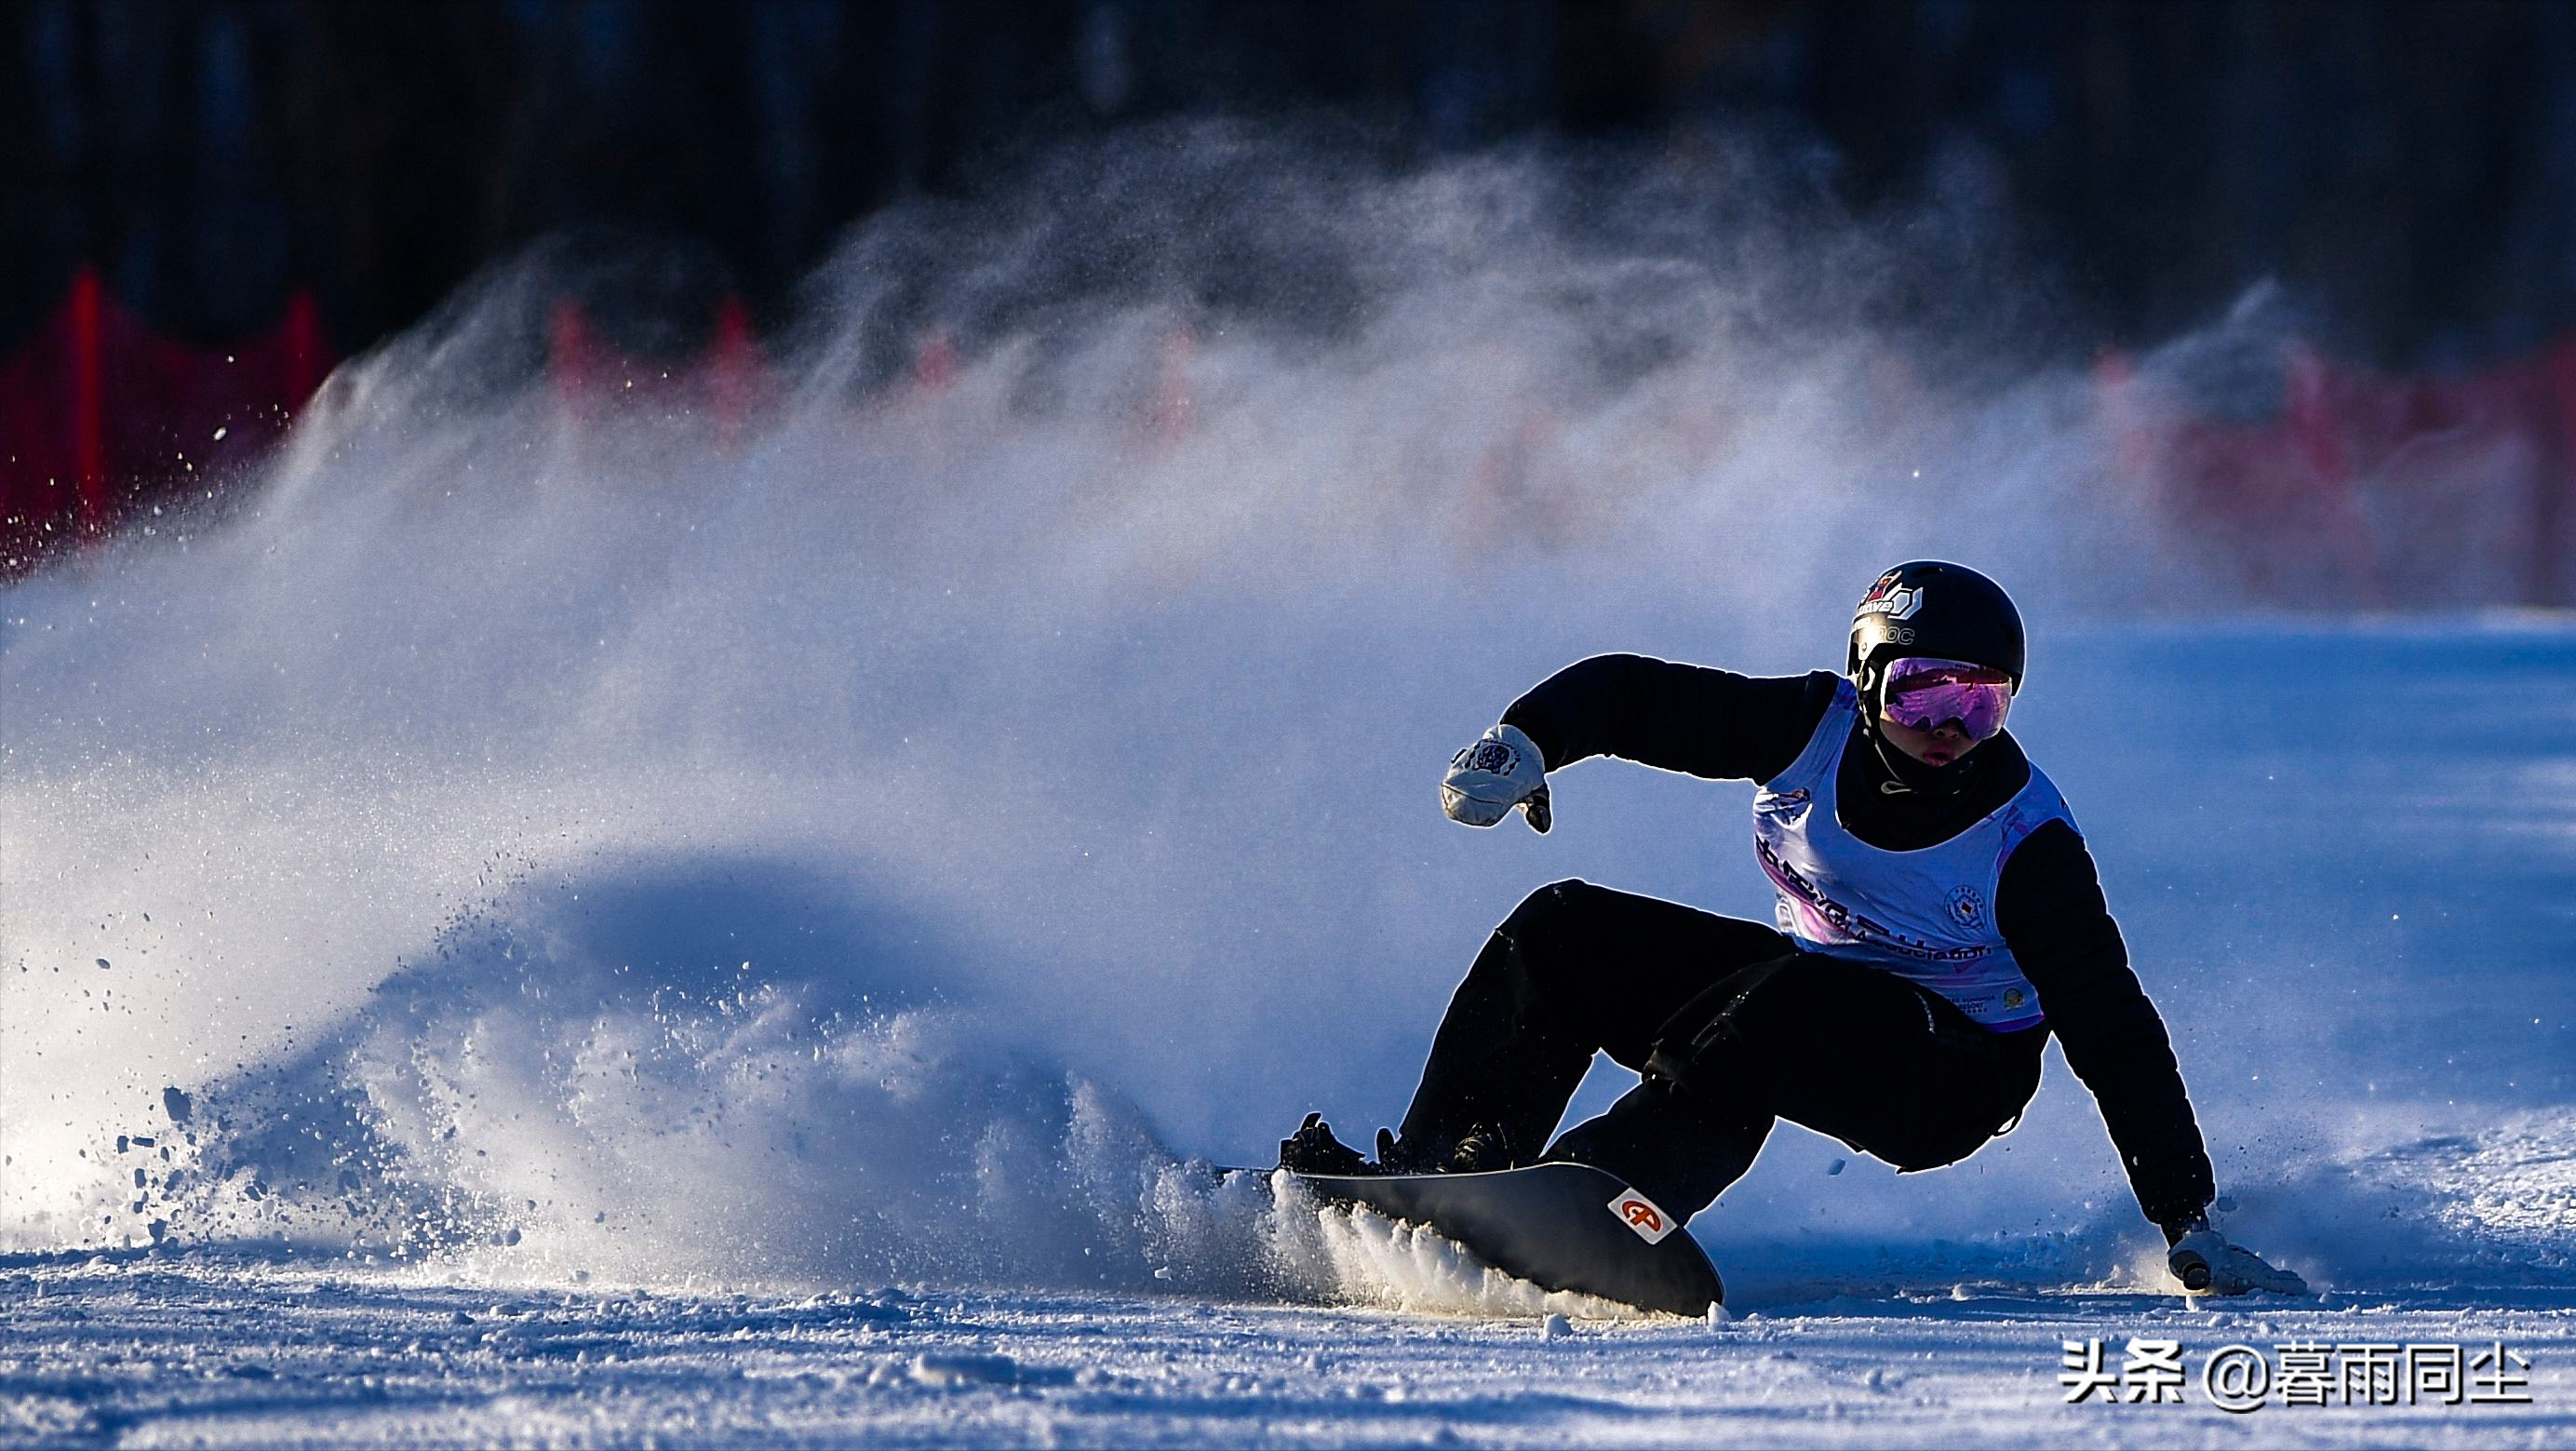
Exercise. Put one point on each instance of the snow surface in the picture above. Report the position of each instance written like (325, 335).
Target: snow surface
(206, 1350)
(579, 923)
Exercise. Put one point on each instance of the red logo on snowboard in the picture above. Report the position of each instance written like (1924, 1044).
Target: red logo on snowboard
(1643, 1215)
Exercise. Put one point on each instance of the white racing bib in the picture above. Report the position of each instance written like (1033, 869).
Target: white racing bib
(1927, 916)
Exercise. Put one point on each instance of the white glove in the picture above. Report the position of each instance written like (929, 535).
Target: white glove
(1500, 771)
(2204, 1261)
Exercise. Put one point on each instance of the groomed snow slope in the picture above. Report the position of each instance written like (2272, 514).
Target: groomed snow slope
(783, 900)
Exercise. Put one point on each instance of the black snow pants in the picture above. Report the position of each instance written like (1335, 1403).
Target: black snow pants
(1730, 1026)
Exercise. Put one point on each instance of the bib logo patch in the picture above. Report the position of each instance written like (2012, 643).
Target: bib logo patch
(1642, 1214)
(1966, 907)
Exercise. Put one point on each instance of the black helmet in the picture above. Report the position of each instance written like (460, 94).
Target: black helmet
(1943, 611)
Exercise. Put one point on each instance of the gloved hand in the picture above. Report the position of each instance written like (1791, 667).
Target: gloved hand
(2205, 1261)
(1500, 771)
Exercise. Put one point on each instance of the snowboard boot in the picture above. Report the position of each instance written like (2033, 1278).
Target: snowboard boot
(1314, 1150)
(1480, 1150)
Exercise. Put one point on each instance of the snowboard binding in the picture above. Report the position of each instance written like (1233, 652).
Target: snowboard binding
(1313, 1149)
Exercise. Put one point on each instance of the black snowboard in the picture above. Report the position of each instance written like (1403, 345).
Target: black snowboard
(1558, 1226)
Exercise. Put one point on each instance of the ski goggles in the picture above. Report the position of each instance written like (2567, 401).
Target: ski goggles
(1924, 694)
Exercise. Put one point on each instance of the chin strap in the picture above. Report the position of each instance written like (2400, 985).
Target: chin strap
(1907, 776)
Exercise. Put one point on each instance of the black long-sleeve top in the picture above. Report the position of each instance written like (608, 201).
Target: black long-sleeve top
(2048, 904)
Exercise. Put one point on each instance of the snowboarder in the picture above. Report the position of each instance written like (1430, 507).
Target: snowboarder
(1938, 919)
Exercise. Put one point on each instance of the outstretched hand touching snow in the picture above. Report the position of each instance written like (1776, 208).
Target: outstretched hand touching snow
(2205, 1261)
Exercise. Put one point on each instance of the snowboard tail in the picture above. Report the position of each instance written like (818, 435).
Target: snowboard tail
(1559, 1226)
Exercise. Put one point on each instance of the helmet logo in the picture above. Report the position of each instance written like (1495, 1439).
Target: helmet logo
(1887, 598)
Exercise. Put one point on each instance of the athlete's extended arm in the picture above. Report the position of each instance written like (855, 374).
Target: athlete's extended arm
(2049, 904)
(2050, 908)
(1690, 718)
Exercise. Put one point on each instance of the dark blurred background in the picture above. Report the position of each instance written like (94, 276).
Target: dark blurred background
(209, 204)
(2409, 168)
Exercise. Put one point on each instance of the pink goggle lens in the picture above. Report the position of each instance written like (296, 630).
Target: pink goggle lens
(1925, 694)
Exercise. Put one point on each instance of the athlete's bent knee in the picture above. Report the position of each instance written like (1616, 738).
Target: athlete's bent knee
(1549, 912)
(1543, 941)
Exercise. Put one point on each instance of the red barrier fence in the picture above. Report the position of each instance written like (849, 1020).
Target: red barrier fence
(2368, 491)
(2350, 488)
(100, 417)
